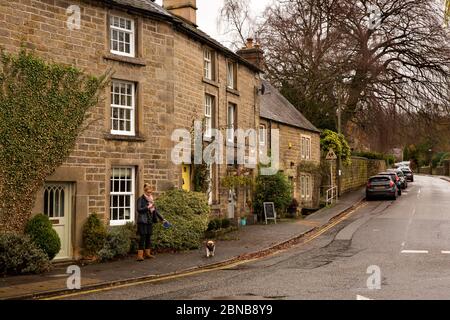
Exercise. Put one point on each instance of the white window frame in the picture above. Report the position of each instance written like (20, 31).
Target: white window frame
(131, 32)
(262, 134)
(211, 184)
(306, 187)
(208, 64)
(131, 194)
(306, 147)
(209, 105)
(230, 75)
(231, 126)
(132, 108)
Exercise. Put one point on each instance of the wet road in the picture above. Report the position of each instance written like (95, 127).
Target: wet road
(385, 250)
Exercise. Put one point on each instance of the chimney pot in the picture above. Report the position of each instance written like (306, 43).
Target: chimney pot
(249, 43)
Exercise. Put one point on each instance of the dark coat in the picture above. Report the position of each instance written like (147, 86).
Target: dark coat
(144, 216)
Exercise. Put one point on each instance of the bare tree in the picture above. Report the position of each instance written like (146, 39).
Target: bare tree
(395, 53)
(238, 22)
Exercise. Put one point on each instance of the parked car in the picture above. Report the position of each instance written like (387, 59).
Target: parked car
(403, 164)
(395, 178)
(381, 186)
(401, 175)
(408, 173)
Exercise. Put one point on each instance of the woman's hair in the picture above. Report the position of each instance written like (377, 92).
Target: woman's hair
(148, 187)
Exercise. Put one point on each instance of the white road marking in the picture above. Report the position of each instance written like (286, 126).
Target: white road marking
(415, 251)
(445, 252)
(408, 227)
(358, 297)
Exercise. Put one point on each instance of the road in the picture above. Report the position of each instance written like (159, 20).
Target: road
(407, 240)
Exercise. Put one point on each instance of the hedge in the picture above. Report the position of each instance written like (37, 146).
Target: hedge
(188, 212)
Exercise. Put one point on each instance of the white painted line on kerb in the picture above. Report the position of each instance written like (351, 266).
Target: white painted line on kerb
(415, 251)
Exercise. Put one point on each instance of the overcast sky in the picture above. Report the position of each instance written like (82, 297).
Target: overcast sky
(208, 12)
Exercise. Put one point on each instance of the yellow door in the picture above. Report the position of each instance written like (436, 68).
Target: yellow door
(186, 175)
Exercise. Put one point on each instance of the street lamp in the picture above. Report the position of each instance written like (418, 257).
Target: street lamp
(342, 96)
(431, 158)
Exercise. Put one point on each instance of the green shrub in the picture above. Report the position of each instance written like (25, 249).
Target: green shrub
(332, 140)
(214, 224)
(117, 244)
(438, 158)
(226, 223)
(276, 189)
(94, 235)
(188, 213)
(390, 159)
(20, 255)
(131, 228)
(41, 232)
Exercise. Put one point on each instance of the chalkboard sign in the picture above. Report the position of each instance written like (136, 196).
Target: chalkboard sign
(269, 211)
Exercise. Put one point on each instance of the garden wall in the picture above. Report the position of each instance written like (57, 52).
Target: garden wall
(355, 175)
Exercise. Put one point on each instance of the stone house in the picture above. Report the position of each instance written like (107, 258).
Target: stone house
(167, 73)
(299, 144)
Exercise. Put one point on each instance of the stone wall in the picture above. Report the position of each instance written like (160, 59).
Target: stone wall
(424, 170)
(446, 164)
(169, 88)
(356, 175)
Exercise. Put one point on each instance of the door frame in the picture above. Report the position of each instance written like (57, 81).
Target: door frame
(69, 195)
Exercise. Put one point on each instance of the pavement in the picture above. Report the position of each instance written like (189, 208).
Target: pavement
(247, 240)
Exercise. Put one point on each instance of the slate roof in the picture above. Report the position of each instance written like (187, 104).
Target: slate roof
(277, 108)
(150, 8)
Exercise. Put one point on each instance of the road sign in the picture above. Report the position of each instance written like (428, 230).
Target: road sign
(331, 155)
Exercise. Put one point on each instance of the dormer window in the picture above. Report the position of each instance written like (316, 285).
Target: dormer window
(122, 36)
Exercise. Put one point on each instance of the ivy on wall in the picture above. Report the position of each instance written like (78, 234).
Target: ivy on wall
(42, 110)
(201, 178)
(332, 140)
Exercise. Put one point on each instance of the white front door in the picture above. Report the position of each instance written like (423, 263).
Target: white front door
(58, 207)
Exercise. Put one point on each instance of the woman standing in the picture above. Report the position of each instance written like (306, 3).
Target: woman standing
(147, 216)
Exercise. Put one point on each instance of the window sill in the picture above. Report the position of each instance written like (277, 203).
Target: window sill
(211, 82)
(116, 137)
(233, 91)
(125, 59)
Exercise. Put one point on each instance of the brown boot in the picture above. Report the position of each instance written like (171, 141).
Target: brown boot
(140, 255)
(148, 254)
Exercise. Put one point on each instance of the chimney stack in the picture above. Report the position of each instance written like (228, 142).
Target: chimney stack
(185, 9)
(252, 53)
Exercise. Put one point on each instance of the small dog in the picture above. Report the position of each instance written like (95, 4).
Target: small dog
(210, 249)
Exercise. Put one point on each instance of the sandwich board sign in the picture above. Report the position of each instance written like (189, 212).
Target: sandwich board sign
(331, 155)
(269, 211)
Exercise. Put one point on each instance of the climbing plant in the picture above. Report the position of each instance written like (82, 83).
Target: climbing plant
(332, 140)
(201, 178)
(43, 106)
